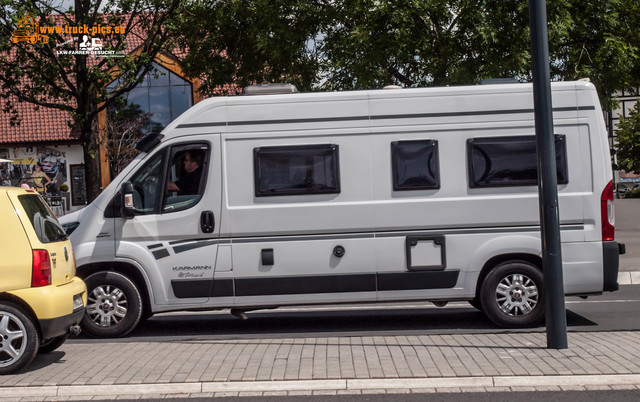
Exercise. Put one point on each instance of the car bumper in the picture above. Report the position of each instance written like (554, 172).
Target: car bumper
(53, 301)
(59, 326)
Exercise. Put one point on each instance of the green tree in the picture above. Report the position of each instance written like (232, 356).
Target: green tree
(48, 75)
(371, 43)
(358, 44)
(234, 43)
(628, 133)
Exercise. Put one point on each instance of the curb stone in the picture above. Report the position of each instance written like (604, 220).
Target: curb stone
(415, 385)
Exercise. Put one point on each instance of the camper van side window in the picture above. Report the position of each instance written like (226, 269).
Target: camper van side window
(510, 161)
(296, 170)
(415, 165)
(186, 176)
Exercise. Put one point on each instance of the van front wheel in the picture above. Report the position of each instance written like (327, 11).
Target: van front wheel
(512, 295)
(114, 305)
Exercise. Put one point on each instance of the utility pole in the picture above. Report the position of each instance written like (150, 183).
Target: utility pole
(556, 320)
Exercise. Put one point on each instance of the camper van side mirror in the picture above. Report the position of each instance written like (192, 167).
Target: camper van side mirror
(126, 190)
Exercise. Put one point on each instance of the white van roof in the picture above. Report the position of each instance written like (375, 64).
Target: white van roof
(357, 108)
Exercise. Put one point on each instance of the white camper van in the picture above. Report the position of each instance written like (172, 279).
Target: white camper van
(350, 197)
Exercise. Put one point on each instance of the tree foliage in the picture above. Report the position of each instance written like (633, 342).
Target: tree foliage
(358, 44)
(234, 43)
(49, 75)
(628, 133)
(371, 43)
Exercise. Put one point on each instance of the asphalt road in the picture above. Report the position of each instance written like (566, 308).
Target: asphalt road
(541, 396)
(615, 311)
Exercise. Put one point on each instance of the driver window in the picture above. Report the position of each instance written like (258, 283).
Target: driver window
(186, 178)
(146, 185)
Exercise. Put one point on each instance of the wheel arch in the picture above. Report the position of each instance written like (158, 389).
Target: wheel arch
(13, 299)
(129, 270)
(499, 259)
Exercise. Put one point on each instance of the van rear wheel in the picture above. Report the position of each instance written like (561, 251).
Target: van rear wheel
(19, 338)
(512, 295)
(114, 305)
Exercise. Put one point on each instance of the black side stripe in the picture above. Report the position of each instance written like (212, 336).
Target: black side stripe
(299, 285)
(191, 246)
(159, 254)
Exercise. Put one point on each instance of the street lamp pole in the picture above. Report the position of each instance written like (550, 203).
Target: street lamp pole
(556, 321)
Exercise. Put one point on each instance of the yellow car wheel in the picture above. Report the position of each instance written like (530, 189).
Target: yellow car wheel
(49, 345)
(18, 338)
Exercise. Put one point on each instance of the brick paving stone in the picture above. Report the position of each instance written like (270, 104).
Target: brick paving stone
(292, 370)
(225, 395)
(300, 393)
(572, 388)
(449, 390)
(398, 391)
(548, 388)
(499, 389)
(274, 393)
(374, 391)
(623, 387)
(360, 366)
(349, 392)
(128, 397)
(324, 392)
(597, 388)
(241, 360)
(152, 396)
(249, 393)
(423, 391)
(201, 395)
(473, 389)
(440, 361)
(373, 362)
(320, 361)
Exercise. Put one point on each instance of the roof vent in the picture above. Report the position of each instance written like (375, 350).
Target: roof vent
(270, 89)
(392, 87)
(490, 81)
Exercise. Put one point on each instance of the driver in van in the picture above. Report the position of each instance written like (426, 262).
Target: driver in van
(190, 182)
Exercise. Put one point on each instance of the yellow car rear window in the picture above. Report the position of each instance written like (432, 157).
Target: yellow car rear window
(43, 221)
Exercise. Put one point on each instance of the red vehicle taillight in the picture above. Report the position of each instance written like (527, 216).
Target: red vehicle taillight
(606, 208)
(41, 269)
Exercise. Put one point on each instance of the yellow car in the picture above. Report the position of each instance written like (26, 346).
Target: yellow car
(41, 299)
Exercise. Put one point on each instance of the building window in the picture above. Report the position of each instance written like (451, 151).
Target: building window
(296, 170)
(162, 96)
(415, 165)
(510, 161)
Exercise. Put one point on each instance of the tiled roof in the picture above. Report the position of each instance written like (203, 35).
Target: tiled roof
(47, 124)
(41, 125)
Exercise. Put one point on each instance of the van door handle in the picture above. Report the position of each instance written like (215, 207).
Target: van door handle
(207, 221)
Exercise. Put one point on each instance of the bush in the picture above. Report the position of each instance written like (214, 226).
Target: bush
(64, 187)
(633, 193)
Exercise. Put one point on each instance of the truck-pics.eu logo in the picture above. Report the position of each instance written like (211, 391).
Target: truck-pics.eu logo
(29, 30)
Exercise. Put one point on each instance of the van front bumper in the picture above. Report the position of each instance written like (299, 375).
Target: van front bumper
(611, 251)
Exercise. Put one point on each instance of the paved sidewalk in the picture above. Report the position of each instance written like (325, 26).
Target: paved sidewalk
(330, 366)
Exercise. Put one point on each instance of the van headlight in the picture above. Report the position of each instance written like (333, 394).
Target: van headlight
(70, 227)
